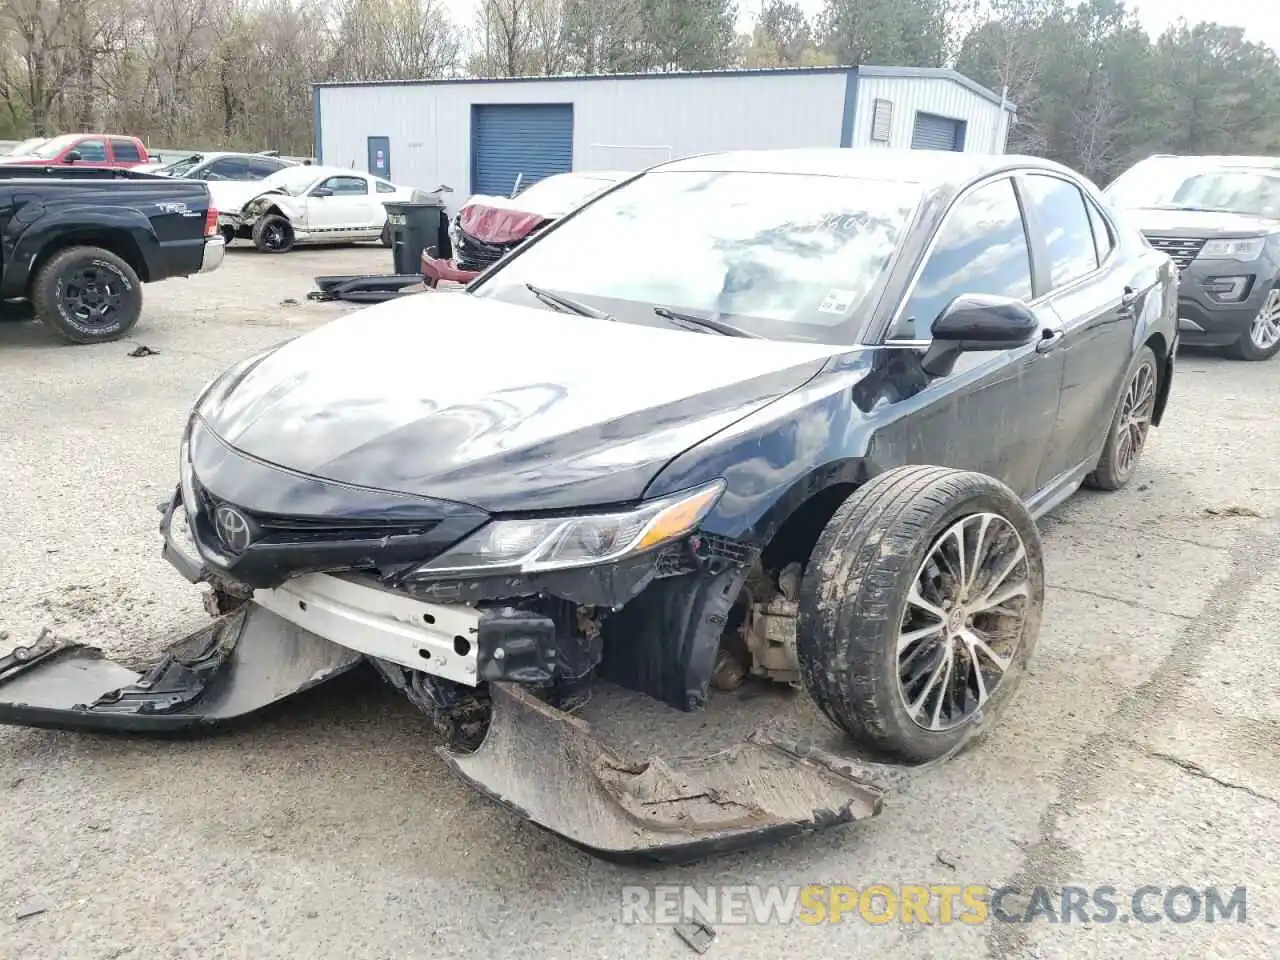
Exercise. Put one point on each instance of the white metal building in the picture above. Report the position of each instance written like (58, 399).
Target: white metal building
(478, 136)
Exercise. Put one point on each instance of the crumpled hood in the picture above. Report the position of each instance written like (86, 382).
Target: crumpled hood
(230, 196)
(499, 219)
(498, 405)
(1200, 223)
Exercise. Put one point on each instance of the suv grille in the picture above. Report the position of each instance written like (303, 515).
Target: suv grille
(1182, 250)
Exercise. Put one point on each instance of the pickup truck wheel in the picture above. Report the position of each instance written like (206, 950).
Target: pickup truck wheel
(920, 608)
(273, 234)
(87, 295)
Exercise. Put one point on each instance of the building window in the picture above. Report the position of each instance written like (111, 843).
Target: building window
(881, 121)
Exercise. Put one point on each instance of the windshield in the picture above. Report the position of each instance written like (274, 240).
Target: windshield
(564, 191)
(182, 167)
(26, 147)
(785, 256)
(1180, 186)
(51, 148)
(294, 181)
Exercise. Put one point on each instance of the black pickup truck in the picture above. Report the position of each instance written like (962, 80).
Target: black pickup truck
(76, 245)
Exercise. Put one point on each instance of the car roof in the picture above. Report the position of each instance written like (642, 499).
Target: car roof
(1225, 160)
(928, 168)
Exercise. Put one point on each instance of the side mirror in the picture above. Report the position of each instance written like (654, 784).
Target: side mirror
(71, 156)
(322, 192)
(978, 322)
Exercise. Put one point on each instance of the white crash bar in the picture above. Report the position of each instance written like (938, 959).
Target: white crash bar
(433, 638)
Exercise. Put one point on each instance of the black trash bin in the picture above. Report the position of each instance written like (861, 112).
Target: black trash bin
(417, 225)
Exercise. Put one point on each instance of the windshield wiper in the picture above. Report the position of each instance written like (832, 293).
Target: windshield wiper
(567, 305)
(706, 323)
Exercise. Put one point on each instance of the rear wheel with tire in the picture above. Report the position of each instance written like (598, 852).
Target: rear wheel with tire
(87, 295)
(273, 234)
(1130, 425)
(920, 608)
(1262, 340)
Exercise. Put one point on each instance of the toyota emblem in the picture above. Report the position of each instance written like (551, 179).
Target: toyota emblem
(233, 528)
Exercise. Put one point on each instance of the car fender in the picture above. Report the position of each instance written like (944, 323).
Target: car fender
(127, 230)
(287, 205)
(777, 458)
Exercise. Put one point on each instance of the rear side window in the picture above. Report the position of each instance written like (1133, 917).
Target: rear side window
(1103, 241)
(92, 151)
(260, 168)
(1068, 232)
(981, 248)
(125, 151)
(384, 187)
(227, 168)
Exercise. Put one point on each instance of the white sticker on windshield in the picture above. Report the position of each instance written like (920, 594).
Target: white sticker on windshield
(838, 301)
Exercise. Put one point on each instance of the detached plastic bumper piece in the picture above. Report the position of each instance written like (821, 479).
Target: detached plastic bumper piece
(235, 666)
(435, 269)
(549, 768)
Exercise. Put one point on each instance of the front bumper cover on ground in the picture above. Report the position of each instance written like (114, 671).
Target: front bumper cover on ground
(540, 762)
(236, 665)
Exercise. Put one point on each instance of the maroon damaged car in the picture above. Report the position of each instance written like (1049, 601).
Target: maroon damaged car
(488, 227)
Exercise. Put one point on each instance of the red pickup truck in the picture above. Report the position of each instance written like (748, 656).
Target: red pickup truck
(85, 150)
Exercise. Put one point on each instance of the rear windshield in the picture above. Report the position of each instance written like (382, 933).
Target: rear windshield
(786, 256)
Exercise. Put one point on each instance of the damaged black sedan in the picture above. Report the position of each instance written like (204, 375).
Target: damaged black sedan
(807, 442)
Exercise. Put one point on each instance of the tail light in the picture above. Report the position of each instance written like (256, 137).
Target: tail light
(211, 222)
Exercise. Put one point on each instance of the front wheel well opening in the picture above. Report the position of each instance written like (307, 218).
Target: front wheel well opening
(795, 539)
(760, 635)
(121, 244)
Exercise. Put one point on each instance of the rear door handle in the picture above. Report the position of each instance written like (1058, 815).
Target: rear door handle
(1050, 340)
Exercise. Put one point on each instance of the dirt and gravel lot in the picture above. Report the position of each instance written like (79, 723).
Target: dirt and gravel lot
(1142, 750)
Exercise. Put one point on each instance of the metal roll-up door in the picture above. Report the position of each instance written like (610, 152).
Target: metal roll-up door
(932, 132)
(525, 141)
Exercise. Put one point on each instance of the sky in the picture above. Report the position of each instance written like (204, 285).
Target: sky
(1259, 18)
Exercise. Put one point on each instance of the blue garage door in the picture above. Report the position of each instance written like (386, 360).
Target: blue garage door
(511, 139)
(933, 132)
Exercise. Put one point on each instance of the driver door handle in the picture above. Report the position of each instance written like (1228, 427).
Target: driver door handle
(1050, 340)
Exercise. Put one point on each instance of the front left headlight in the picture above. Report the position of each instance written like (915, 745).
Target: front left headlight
(1248, 248)
(560, 543)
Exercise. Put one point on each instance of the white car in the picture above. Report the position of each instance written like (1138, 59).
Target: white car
(223, 165)
(308, 204)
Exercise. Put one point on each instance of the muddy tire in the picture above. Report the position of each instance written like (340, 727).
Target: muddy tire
(1130, 425)
(903, 647)
(273, 234)
(87, 295)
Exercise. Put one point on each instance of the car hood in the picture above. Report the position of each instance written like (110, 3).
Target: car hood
(1201, 223)
(500, 220)
(230, 196)
(501, 406)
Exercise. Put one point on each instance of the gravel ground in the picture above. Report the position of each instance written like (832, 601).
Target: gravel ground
(1142, 749)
